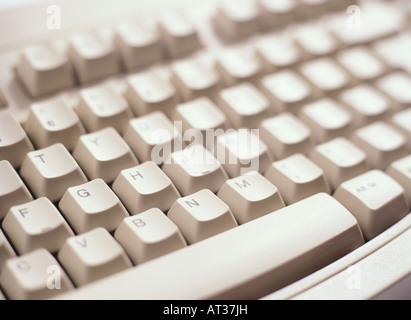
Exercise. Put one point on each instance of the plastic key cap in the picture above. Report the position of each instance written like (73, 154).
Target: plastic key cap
(36, 224)
(149, 235)
(91, 205)
(43, 70)
(34, 276)
(297, 177)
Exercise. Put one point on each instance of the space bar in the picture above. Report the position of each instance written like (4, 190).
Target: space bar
(246, 262)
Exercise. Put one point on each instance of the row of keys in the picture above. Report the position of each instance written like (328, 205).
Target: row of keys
(145, 186)
(241, 63)
(284, 91)
(359, 193)
(38, 275)
(45, 68)
(242, 19)
(103, 154)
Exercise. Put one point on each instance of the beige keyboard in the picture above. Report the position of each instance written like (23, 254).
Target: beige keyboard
(193, 150)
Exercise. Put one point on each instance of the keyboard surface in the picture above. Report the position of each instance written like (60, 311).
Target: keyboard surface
(254, 149)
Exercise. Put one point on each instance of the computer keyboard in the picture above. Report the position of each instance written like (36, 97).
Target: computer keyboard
(195, 150)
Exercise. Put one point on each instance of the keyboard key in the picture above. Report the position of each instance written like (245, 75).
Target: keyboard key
(101, 107)
(147, 92)
(201, 215)
(250, 196)
(277, 51)
(237, 19)
(375, 200)
(91, 205)
(273, 257)
(12, 189)
(391, 50)
(34, 276)
(241, 151)
(14, 143)
(314, 40)
(366, 104)
(245, 105)
(103, 154)
(193, 80)
(382, 143)
(397, 86)
(193, 169)
(287, 90)
(92, 58)
(362, 63)
(143, 187)
(238, 64)
(36, 224)
(277, 14)
(91, 256)
(179, 34)
(138, 43)
(48, 172)
(400, 170)
(6, 251)
(327, 119)
(326, 75)
(340, 159)
(297, 177)
(201, 120)
(153, 137)
(402, 122)
(285, 134)
(149, 235)
(43, 70)
(53, 122)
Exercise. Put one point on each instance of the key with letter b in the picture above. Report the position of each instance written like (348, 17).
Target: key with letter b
(43, 70)
(297, 177)
(14, 142)
(149, 235)
(103, 154)
(92, 205)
